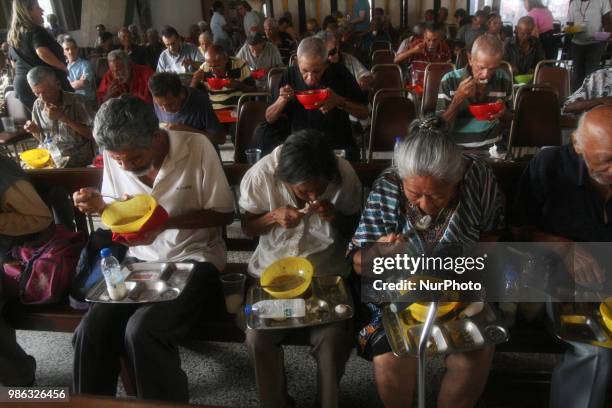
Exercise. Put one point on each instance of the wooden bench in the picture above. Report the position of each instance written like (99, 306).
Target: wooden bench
(525, 337)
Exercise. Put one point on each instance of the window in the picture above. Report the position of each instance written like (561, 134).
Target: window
(47, 7)
(512, 10)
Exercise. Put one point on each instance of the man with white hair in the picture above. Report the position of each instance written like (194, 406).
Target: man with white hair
(64, 117)
(480, 82)
(565, 196)
(595, 90)
(330, 116)
(123, 77)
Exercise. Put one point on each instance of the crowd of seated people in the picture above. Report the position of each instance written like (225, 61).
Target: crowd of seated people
(160, 135)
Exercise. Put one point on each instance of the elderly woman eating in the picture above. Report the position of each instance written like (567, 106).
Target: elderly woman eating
(433, 195)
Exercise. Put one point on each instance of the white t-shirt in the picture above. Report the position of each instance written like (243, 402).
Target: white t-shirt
(217, 21)
(191, 179)
(587, 14)
(317, 240)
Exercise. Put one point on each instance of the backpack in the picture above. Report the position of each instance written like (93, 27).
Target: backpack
(43, 270)
(88, 270)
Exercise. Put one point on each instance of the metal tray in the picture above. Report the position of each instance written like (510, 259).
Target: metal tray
(581, 322)
(450, 334)
(147, 282)
(322, 298)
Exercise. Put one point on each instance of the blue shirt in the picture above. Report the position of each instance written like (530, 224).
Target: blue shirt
(76, 70)
(169, 62)
(196, 112)
(362, 5)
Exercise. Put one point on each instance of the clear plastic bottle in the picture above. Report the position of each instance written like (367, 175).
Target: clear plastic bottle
(277, 308)
(54, 151)
(398, 140)
(111, 269)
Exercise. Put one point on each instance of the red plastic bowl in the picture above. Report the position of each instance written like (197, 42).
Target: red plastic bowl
(484, 111)
(309, 98)
(156, 221)
(259, 74)
(217, 83)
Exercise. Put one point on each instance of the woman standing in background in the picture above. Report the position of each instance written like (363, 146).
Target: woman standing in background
(543, 19)
(32, 45)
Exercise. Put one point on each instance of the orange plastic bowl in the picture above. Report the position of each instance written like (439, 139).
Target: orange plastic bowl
(484, 111)
(309, 98)
(155, 221)
(259, 74)
(217, 83)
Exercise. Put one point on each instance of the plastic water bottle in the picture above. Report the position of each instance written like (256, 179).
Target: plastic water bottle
(277, 308)
(55, 152)
(396, 146)
(111, 269)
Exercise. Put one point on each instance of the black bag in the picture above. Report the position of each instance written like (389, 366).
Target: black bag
(88, 271)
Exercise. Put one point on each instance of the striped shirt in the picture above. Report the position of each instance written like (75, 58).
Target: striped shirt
(480, 208)
(227, 97)
(466, 130)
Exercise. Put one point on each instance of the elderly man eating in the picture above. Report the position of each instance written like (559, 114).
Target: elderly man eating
(525, 51)
(260, 54)
(435, 195)
(178, 56)
(300, 200)
(182, 171)
(331, 116)
(182, 108)
(123, 77)
(64, 117)
(480, 82)
(564, 196)
(336, 56)
(218, 64)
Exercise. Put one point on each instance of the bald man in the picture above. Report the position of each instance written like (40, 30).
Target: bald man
(481, 81)
(564, 196)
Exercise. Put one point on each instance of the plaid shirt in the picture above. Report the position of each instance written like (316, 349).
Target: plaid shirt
(596, 85)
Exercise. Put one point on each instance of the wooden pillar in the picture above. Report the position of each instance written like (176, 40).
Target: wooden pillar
(318, 7)
(334, 6)
(285, 6)
(349, 6)
(387, 7)
(452, 8)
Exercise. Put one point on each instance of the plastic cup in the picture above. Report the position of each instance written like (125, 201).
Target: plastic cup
(233, 289)
(252, 155)
(8, 124)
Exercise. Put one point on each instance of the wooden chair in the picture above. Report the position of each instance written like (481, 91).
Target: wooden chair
(557, 74)
(382, 57)
(392, 112)
(462, 59)
(274, 76)
(537, 119)
(251, 112)
(431, 85)
(380, 45)
(386, 76)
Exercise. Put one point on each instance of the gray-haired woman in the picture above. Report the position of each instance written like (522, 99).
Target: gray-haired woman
(436, 194)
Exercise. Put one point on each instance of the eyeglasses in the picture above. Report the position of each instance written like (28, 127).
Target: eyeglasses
(332, 52)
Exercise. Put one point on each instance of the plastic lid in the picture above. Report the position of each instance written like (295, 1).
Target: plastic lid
(247, 309)
(105, 252)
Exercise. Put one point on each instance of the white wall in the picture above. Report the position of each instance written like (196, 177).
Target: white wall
(178, 14)
(111, 13)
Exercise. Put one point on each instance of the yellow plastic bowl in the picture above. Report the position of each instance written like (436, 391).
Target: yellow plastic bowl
(605, 313)
(419, 309)
(130, 215)
(292, 266)
(36, 158)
